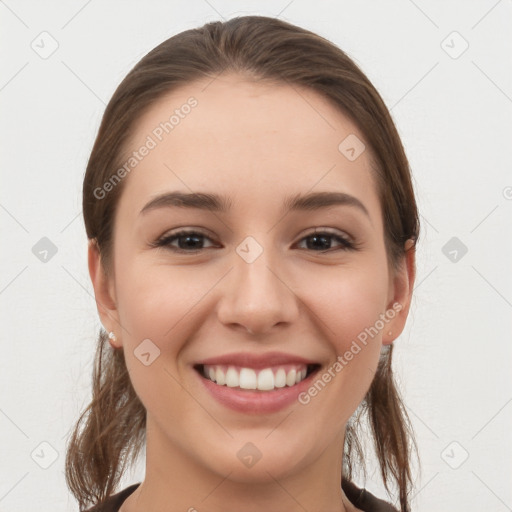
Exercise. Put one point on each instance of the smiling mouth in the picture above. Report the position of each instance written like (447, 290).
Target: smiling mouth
(264, 379)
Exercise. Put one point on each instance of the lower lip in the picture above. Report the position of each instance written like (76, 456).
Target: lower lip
(256, 402)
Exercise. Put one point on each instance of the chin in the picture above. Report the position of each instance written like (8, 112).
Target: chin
(248, 464)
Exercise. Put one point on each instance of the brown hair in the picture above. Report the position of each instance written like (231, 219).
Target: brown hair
(112, 427)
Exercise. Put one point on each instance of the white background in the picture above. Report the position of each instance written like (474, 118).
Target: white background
(454, 116)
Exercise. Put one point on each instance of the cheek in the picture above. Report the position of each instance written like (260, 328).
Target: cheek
(158, 303)
(164, 303)
(154, 300)
(349, 305)
(346, 299)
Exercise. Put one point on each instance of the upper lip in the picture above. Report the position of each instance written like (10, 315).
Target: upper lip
(257, 361)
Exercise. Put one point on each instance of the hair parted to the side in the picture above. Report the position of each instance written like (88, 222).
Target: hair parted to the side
(112, 428)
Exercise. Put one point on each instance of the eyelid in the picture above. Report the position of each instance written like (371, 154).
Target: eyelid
(162, 241)
(186, 230)
(331, 231)
(348, 242)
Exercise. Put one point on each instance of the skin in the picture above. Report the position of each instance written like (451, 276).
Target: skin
(257, 143)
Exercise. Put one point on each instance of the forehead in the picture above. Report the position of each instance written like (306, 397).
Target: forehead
(251, 140)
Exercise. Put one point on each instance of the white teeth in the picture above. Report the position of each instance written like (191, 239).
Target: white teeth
(232, 379)
(248, 378)
(290, 378)
(280, 378)
(220, 378)
(265, 379)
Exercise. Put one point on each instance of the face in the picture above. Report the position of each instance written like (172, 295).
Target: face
(258, 292)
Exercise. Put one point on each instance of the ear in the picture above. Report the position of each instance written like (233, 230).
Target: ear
(400, 294)
(104, 292)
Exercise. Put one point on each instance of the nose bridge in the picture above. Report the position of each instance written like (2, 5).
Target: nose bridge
(257, 296)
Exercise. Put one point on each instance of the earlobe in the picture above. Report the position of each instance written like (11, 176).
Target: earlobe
(401, 289)
(103, 288)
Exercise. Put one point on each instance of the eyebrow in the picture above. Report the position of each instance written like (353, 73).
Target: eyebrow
(216, 203)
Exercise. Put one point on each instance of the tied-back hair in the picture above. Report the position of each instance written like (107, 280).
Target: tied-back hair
(111, 430)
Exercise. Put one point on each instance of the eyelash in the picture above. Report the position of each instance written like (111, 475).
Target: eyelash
(166, 240)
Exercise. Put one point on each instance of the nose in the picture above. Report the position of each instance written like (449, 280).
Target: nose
(258, 296)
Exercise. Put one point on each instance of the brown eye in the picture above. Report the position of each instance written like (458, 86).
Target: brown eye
(187, 241)
(191, 242)
(320, 241)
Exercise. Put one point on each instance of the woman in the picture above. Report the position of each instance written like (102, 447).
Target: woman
(252, 228)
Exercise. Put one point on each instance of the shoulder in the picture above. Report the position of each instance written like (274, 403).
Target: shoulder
(113, 503)
(365, 500)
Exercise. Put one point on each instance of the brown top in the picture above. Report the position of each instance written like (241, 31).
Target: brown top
(360, 498)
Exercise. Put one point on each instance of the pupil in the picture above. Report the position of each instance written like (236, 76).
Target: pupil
(325, 245)
(195, 240)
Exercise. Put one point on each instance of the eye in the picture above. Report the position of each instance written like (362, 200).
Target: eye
(321, 240)
(190, 241)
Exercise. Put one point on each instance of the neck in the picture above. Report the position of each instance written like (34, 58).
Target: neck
(175, 481)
